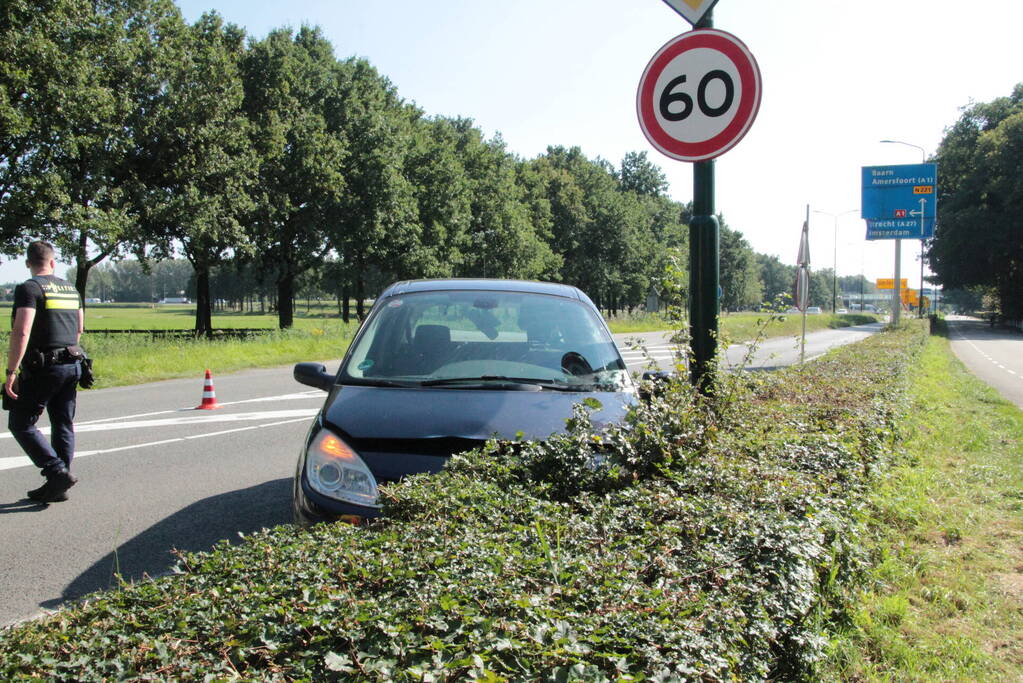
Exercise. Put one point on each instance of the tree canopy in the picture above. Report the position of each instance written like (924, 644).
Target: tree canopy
(979, 238)
(272, 164)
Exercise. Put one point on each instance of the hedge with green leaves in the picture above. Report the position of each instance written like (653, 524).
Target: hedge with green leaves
(706, 539)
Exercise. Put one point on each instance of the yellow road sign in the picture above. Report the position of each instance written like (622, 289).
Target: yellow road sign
(923, 189)
(889, 283)
(692, 10)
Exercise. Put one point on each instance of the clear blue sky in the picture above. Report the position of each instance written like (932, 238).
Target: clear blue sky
(838, 77)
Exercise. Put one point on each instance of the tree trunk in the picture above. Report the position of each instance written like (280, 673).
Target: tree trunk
(203, 309)
(346, 312)
(360, 288)
(82, 277)
(285, 302)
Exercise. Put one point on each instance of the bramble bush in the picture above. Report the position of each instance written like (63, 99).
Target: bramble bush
(704, 539)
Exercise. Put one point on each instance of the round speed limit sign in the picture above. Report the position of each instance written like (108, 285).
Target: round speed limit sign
(699, 95)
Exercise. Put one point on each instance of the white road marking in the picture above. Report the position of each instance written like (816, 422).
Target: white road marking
(961, 337)
(184, 416)
(23, 461)
(192, 419)
(282, 397)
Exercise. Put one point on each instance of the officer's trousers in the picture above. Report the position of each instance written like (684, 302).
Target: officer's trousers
(53, 388)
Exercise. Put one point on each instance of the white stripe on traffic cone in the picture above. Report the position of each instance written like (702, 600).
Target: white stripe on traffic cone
(209, 397)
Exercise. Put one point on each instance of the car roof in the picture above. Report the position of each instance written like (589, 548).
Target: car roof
(483, 284)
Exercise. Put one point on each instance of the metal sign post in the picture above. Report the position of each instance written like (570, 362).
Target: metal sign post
(802, 293)
(704, 267)
(697, 98)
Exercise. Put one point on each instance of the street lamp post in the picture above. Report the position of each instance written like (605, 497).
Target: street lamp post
(834, 272)
(920, 300)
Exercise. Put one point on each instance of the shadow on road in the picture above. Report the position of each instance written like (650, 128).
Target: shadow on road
(975, 329)
(196, 527)
(23, 505)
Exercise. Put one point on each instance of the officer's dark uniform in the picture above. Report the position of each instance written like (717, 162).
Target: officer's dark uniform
(49, 375)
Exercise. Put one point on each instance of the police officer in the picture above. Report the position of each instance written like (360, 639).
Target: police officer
(47, 319)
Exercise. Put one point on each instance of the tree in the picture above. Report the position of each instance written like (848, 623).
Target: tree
(638, 174)
(79, 70)
(289, 78)
(741, 288)
(979, 238)
(500, 239)
(375, 222)
(778, 279)
(195, 155)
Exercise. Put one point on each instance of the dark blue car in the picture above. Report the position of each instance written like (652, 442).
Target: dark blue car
(440, 366)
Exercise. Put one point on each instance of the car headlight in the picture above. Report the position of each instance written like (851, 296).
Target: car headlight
(335, 470)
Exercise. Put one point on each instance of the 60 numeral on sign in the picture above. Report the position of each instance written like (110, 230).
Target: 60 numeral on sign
(668, 97)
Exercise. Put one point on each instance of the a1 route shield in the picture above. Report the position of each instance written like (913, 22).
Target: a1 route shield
(699, 95)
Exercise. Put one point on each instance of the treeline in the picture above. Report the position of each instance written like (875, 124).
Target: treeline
(238, 286)
(126, 132)
(978, 244)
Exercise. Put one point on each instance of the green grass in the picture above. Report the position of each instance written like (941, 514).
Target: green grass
(740, 327)
(946, 600)
(120, 359)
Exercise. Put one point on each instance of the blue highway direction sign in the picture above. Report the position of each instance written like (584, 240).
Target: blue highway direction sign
(900, 202)
(899, 229)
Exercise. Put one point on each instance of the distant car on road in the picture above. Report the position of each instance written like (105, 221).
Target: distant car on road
(842, 311)
(813, 310)
(440, 366)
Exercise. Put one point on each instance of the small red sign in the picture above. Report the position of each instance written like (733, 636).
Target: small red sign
(900, 213)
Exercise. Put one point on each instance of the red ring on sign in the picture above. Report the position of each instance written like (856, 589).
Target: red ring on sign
(749, 102)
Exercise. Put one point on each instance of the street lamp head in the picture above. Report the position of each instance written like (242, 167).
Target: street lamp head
(923, 152)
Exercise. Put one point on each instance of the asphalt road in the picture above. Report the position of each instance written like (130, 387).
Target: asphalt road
(995, 355)
(655, 349)
(155, 474)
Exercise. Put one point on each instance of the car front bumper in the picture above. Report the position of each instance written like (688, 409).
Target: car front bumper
(310, 507)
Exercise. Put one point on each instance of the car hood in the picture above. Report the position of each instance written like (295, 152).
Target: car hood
(392, 413)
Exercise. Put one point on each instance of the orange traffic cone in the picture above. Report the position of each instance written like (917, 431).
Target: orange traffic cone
(209, 397)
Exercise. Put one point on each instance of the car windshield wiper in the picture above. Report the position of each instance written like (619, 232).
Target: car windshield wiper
(379, 383)
(553, 384)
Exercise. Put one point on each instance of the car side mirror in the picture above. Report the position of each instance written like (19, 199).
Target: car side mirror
(313, 375)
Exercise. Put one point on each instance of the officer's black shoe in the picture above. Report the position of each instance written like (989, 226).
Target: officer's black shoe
(55, 488)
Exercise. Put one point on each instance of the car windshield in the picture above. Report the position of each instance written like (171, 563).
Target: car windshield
(486, 339)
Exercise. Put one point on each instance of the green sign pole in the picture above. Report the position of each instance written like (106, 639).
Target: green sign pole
(704, 269)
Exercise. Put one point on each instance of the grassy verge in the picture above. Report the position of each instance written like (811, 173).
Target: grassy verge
(741, 327)
(946, 600)
(120, 360)
(706, 539)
